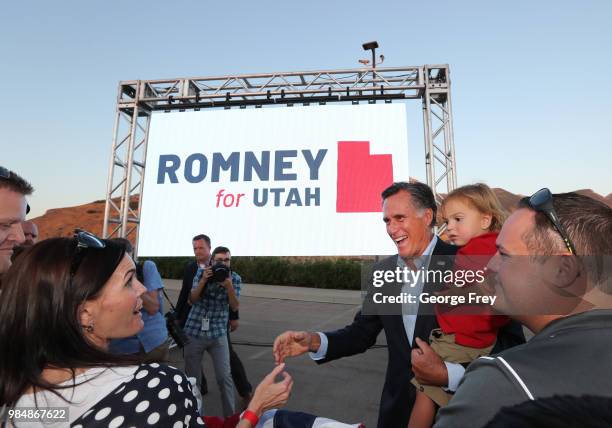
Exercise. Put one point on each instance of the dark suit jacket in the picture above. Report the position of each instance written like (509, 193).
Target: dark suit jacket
(182, 305)
(398, 394)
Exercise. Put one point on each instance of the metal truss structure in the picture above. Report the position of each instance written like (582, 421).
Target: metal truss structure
(137, 100)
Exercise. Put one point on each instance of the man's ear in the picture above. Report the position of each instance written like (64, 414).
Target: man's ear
(485, 221)
(428, 214)
(565, 272)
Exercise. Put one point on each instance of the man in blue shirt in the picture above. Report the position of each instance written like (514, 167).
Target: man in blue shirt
(207, 324)
(151, 342)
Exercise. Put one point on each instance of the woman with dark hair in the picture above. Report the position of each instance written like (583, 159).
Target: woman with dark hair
(151, 343)
(60, 305)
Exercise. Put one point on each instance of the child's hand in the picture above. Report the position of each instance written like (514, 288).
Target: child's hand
(427, 366)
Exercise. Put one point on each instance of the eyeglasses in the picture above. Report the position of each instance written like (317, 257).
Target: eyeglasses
(542, 201)
(84, 240)
(6, 174)
(222, 260)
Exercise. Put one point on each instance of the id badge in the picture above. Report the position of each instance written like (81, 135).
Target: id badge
(205, 324)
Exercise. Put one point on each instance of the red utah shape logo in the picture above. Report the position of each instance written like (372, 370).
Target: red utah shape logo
(361, 177)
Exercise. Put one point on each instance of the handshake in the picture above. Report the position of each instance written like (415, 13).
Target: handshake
(271, 393)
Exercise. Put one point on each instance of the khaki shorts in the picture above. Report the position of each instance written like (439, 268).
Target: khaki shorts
(448, 350)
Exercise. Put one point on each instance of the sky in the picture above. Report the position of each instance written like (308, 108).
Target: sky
(531, 86)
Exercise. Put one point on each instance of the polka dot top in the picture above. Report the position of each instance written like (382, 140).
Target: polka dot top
(158, 395)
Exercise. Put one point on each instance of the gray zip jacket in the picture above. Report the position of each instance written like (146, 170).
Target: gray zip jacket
(570, 356)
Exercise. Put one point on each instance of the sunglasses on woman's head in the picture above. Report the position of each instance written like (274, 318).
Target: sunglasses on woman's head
(84, 241)
(542, 201)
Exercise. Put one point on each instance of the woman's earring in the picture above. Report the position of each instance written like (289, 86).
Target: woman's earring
(89, 328)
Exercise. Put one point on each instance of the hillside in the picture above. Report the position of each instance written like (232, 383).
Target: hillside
(63, 221)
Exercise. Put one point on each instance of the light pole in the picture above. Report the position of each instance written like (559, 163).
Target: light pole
(371, 46)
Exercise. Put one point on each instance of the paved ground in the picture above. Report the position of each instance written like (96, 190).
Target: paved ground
(348, 389)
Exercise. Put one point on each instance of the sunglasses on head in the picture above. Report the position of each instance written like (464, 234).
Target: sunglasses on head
(542, 201)
(6, 174)
(84, 241)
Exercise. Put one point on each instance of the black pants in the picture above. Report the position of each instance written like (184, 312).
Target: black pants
(241, 381)
(239, 375)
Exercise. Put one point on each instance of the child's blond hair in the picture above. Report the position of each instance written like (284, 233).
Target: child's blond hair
(481, 197)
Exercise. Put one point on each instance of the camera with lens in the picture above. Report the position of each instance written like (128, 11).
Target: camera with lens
(219, 272)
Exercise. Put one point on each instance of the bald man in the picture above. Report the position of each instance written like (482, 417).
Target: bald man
(30, 232)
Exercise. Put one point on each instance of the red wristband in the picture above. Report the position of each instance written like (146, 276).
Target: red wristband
(250, 416)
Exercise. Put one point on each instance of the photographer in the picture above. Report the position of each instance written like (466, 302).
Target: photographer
(215, 290)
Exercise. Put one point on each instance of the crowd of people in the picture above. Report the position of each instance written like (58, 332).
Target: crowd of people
(82, 325)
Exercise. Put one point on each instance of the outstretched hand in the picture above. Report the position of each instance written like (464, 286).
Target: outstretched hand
(427, 366)
(294, 343)
(270, 394)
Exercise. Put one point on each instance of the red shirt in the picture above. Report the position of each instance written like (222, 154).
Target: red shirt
(479, 328)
